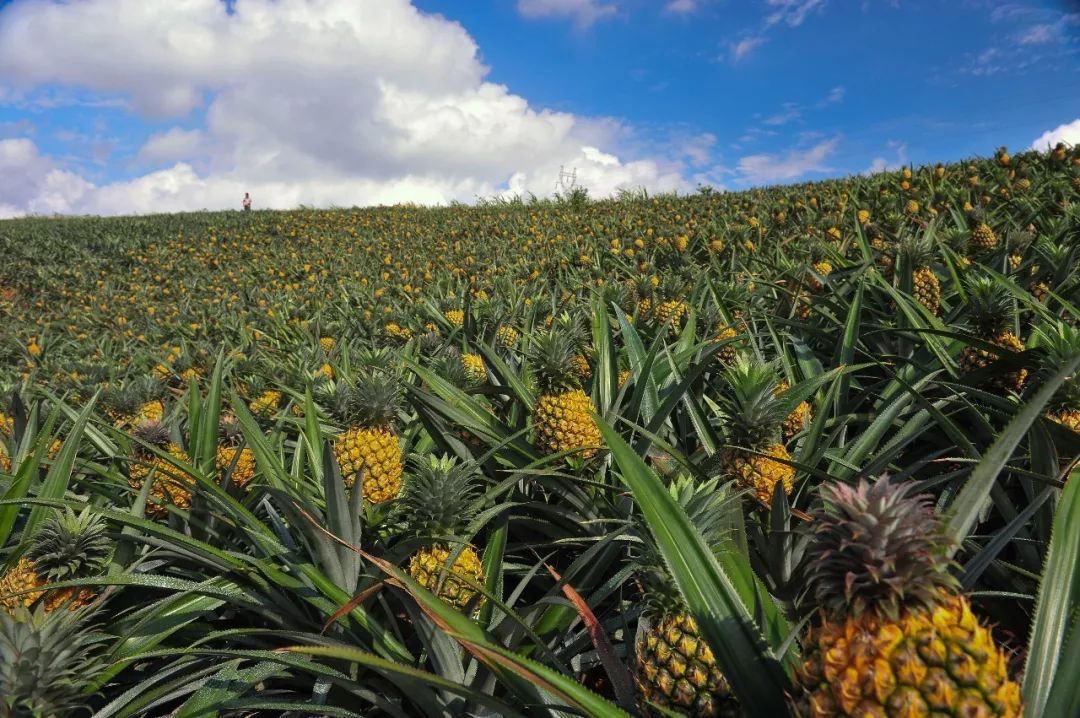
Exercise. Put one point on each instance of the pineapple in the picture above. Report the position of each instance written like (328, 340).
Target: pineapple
(7, 428)
(918, 253)
(369, 446)
(755, 457)
(820, 269)
(507, 337)
(233, 461)
(327, 344)
(171, 485)
(439, 501)
(670, 314)
(136, 403)
(892, 634)
(982, 238)
(562, 416)
(68, 546)
(474, 369)
(795, 421)
(456, 317)
(1061, 341)
(990, 309)
(675, 669)
(266, 403)
(729, 353)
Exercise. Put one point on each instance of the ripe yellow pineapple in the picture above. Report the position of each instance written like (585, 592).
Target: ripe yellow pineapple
(171, 485)
(674, 668)
(440, 499)
(327, 344)
(369, 446)
(7, 428)
(754, 415)
(456, 317)
(821, 269)
(580, 364)
(990, 311)
(918, 254)
(798, 418)
(507, 336)
(983, 238)
(233, 461)
(670, 314)
(135, 403)
(474, 369)
(893, 636)
(266, 403)
(729, 352)
(562, 416)
(68, 546)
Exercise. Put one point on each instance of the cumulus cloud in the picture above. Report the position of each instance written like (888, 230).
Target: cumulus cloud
(313, 101)
(1068, 133)
(766, 168)
(882, 164)
(583, 12)
(31, 182)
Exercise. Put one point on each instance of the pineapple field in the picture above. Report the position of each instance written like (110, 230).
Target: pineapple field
(796, 451)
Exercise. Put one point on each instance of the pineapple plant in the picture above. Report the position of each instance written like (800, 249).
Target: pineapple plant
(439, 500)
(674, 668)
(821, 270)
(233, 461)
(990, 312)
(892, 634)
(754, 413)
(68, 546)
(1060, 342)
(562, 417)
(170, 484)
(135, 403)
(369, 448)
(507, 336)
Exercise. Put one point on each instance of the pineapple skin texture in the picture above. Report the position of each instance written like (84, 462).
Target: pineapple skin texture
(727, 354)
(760, 473)
(169, 482)
(1069, 418)
(245, 464)
(563, 423)
(375, 451)
(676, 669)
(670, 314)
(936, 661)
(927, 289)
(473, 364)
(972, 358)
(426, 566)
(983, 238)
(23, 576)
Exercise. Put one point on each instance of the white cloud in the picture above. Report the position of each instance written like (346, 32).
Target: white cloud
(742, 49)
(314, 101)
(791, 12)
(1068, 133)
(766, 168)
(174, 144)
(835, 95)
(881, 164)
(31, 182)
(682, 6)
(583, 12)
(786, 115)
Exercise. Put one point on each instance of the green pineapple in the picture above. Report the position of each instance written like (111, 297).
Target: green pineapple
(440, 499)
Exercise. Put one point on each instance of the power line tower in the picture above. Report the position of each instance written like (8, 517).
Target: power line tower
(566, 181)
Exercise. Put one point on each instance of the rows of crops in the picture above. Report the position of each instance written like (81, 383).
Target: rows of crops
(801, 450)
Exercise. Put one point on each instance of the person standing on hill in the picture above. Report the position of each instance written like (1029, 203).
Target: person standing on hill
(247, 202)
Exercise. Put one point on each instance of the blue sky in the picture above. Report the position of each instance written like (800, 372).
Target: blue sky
(124, 106)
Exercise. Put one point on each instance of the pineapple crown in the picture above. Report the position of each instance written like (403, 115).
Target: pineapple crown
(917, 251)
(70, 545)
(1061, 342)
(441, 496)
(451, 368)
(708, 505)
(371, 397)
(750, 404)
(876, 548)
(229, 431)
(990, 307)
(47, 660)
(154, 433)
(553, 353)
